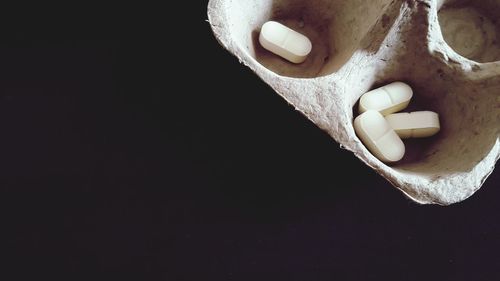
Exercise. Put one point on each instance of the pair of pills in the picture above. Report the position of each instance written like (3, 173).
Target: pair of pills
(381, 130)
(284, 42)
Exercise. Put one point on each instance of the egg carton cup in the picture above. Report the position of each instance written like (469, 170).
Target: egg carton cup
(445, 50)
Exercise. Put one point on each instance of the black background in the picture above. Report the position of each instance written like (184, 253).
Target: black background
(112, 167)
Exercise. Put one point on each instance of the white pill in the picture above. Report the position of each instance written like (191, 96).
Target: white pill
(374, 131)
(387, 99)
(284, 42)
(418, 124)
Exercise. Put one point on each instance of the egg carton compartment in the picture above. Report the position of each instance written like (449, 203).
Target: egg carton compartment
(334, 28)
(361, 45)
(471, 28)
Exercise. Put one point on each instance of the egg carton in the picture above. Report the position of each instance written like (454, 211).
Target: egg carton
(447, 51)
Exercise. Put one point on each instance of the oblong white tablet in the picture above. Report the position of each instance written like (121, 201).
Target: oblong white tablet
(375, 132)
(418, 124)
(387, 99)
(284, 42)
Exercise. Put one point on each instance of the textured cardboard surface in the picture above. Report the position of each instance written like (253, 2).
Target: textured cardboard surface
(358, 45)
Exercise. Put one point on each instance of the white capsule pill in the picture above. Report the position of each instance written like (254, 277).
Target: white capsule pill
(374, 131)
(284, 42)
(418, 124)
(387, 99)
